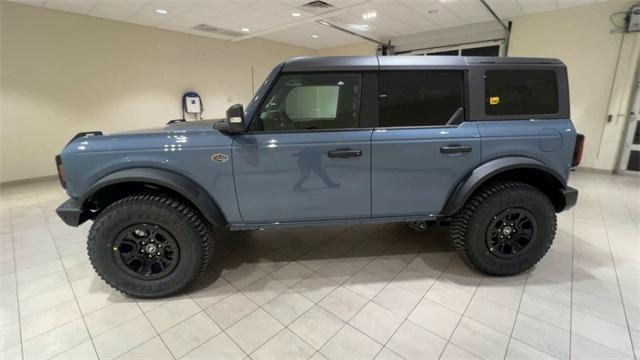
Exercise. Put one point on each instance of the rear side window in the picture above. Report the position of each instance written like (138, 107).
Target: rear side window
(419, 98)
(521, 92)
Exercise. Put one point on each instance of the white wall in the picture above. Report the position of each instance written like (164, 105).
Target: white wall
(582, 37)
(64, 73)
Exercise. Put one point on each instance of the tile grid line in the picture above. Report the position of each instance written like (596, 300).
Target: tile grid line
(379, 291)
(318, 302)
(459, 321)
(573, 251)
(15, 276)
(154, 329)
(615, 268)
(405, 319)
(515, 320)
(260, 306)
(75, 298)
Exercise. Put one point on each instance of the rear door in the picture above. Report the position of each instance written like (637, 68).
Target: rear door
(306, 157)
(423, 145)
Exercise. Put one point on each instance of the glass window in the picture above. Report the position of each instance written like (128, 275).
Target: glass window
(521, 92)
(482, 51)
(419, 98)
(446, 52)
(312, 101)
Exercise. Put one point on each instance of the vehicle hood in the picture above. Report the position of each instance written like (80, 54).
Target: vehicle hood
(182, 126)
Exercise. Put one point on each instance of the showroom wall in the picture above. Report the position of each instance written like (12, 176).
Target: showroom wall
(64, 73)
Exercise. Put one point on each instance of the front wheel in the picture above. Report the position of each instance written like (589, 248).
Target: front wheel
(504, 229)
(149, 245)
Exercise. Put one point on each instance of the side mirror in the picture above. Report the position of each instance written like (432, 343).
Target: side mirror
(235, 122)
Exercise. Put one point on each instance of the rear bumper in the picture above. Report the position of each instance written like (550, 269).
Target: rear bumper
(570, 197)
(72, 213)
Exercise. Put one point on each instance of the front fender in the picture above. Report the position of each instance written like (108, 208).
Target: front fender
(161, 178)
(490, 169)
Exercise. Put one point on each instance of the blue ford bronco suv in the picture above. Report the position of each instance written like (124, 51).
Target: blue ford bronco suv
(485, 145)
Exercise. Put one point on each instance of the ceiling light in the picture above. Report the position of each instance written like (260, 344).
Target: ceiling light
(245, 29)
(315, 36)
(362, 27)
(432, 11)
(162, 11)
(369, 15)
(296, 14)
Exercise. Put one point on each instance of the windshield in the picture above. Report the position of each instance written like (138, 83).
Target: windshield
(255, 101)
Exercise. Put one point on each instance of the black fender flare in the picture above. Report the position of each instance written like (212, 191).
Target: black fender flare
(484, 172)
(180, 184)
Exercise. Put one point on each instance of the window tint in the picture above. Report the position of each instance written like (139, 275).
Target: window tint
(419, 98)
(521, 92)
(493, 50)
(446, 52)
(312, 101)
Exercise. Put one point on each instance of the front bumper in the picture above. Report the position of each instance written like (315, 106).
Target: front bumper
(72, 213)
(570, 197)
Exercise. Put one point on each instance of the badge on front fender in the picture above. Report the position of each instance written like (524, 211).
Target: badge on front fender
(219, 158)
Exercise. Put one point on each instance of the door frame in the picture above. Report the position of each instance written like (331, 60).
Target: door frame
(632, 121)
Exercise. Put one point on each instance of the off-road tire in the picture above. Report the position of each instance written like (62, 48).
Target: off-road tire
(469, 226)
(191, 232)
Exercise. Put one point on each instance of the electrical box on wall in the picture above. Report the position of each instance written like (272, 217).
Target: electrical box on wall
(634, 19)
(192, 103)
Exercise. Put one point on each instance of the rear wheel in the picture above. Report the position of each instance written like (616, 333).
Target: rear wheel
(504, 229)
(149, 245)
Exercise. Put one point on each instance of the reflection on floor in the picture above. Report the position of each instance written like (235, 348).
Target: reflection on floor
(342, 292)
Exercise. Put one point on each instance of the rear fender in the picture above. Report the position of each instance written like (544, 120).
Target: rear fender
(491, 170)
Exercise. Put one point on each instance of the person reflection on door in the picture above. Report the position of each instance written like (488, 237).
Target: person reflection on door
(310, 160)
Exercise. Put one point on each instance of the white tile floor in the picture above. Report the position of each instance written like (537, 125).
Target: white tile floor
(380, 292)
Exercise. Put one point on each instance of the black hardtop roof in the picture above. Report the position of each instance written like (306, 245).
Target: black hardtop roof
(342, 63)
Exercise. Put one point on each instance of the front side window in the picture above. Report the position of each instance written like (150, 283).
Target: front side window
(420, 98)
(312, 102)
(521, 92)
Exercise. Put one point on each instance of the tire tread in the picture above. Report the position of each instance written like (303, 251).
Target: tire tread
(193, 217)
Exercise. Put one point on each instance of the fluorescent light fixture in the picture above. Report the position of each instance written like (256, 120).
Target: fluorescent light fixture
(315, 36)
(245, 29)
(369, 15)
(322, 22)
(296, 14)
(162, 11)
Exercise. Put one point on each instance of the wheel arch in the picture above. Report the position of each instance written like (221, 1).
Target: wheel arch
(516, 168)
(119, 184)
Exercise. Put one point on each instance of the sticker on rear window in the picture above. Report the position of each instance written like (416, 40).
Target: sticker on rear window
(494, 100)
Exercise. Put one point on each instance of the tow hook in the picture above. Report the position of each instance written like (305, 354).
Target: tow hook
(419, 226)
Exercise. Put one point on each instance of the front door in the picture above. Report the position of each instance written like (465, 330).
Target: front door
(305, 157)
(423, 147)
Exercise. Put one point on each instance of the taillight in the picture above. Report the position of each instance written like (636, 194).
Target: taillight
(60, 169)
(577, 151)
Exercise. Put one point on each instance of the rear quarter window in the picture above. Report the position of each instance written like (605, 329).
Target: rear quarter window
(521, 92)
